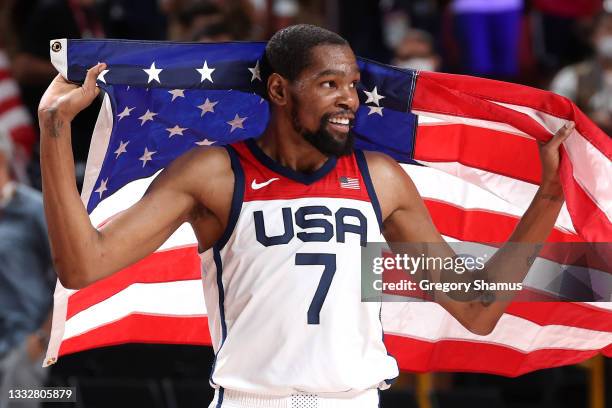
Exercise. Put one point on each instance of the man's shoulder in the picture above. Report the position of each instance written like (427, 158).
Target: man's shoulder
(380, 164)
(393, 185)
(199, 167)
(209, 159)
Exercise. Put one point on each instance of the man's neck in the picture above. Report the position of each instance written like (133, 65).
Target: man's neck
(284, 145)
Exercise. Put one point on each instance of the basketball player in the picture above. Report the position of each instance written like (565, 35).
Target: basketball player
(279, 237)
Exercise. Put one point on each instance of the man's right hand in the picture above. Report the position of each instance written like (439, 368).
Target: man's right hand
(67, 99)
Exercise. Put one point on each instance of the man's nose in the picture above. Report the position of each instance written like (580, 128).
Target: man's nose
(348, 99)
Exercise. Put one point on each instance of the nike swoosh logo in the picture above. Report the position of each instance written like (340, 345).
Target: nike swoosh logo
(256, 186)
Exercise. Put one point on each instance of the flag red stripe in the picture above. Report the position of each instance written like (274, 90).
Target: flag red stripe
(141, 328)
(9, 103)
(589, 220)
(460, 355)
(25, 136)
(568, 314)
(476, 226)
(481, 148)
(164, 266)
(515, 94)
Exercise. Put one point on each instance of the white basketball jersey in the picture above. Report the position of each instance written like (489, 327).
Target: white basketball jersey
(282, 285)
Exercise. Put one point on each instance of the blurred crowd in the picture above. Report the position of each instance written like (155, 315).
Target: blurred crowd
(561, 45)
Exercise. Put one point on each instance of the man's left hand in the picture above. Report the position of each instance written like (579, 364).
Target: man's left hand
(549, 157)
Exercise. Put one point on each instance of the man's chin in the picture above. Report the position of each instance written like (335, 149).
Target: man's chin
(332, 144)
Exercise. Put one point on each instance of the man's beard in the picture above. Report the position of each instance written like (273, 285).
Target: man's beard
(322, 139)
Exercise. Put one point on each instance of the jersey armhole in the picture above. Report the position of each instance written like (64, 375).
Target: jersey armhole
(237, 197)
(365, 174)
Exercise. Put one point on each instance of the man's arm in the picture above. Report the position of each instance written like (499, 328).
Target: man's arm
(406, 220)
(81, 253)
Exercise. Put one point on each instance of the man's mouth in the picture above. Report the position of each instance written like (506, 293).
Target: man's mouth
(341, 123)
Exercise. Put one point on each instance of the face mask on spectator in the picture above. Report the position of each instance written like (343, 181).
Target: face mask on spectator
(420, 64)
(604, 46)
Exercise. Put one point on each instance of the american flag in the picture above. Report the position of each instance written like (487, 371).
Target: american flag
(349, 182)
(469, 144)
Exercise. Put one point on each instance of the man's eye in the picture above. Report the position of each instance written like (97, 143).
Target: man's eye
(328, 84)
(354, 84)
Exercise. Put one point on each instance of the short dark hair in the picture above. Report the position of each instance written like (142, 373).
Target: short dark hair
(288, 51)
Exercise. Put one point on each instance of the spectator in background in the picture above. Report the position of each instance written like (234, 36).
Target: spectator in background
(31, 66)
(559, 31)
(189, 19)
(401, 15)
(16, 120)
(137, 20)
(589, 83)
(416, 51)
(217, 32)
(488, 32)
(26, 284)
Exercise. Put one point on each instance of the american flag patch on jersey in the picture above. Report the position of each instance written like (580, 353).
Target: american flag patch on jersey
(349, 182)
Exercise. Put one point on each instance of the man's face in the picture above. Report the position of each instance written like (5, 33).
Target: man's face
(324, 99)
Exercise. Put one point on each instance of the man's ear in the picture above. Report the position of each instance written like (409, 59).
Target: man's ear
(278, 89)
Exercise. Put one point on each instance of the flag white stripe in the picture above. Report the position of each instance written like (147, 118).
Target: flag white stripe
(97, 149)
(14, 118)
(181, 298)
(8, 89)
(472, 188)
(439, 119)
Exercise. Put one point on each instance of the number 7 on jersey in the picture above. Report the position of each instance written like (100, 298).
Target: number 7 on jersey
(329, 263)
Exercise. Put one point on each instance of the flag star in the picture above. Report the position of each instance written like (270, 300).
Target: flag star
(207, 106)
(126, 112)
(153, 73)
(127, 88)
(102, 187)
(236, 123)
(177, 93)
(373, 96)
(176, 130)
(255, 72)
(101, 75)
(205, 142)
(205, 72)
(146, 156)
(121, 149)
(375, 110)
(147, 116)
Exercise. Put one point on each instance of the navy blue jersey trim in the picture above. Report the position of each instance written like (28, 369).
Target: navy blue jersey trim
(391, 381)
(237, 197)
(220, 397)
(365, 173)
(221, 290)
(287, 172)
